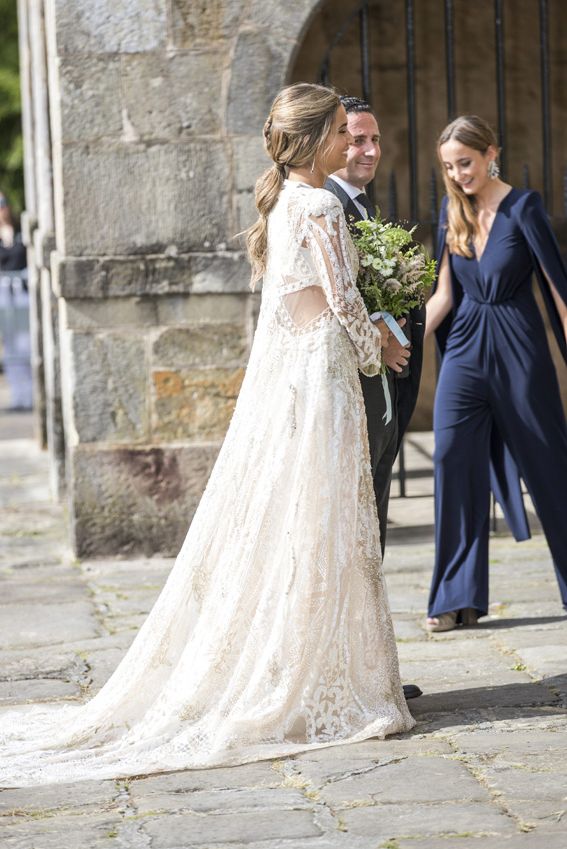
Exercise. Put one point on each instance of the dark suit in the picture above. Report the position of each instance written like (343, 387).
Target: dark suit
(384, 439)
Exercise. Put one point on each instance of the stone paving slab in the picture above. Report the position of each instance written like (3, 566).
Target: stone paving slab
(432, 779)
(41, 624)
(485, 767)
(382, 822)
(174, 830)
(521, 840)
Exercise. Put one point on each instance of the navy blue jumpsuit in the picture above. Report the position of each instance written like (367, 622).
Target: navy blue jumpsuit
(498, 412)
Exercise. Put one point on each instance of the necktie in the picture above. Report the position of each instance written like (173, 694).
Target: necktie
(364, 201)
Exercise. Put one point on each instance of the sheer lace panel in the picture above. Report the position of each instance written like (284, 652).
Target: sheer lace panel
(306, 305)
(330, 244)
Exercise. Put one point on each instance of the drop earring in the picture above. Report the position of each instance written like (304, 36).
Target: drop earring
(313, 166)
(493, 169)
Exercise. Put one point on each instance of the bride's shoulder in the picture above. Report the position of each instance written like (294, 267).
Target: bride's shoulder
(317, 202)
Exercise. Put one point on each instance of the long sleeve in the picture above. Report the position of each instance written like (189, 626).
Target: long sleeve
(327, 238)
(549, 264)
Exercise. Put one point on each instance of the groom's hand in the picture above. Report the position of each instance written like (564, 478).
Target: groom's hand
(395, 355)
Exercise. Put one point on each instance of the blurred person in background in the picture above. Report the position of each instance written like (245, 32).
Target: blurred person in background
(14, 312)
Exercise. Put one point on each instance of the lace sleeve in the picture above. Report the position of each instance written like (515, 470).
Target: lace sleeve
(326, 235)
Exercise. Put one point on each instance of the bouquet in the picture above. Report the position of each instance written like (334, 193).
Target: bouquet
(395, 271)
(394, 274)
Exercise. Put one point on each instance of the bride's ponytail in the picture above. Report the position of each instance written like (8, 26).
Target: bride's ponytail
(297, 129)
(267, 190)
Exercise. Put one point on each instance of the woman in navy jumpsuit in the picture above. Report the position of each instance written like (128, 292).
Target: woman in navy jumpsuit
(498, 412)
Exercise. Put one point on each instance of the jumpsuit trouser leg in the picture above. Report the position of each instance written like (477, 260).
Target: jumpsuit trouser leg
(529, 416)
(463, 424)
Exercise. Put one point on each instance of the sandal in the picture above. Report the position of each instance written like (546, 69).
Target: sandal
(443, 622)
(469, 616)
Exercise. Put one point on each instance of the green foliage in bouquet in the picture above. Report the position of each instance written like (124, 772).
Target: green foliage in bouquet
(395, 272)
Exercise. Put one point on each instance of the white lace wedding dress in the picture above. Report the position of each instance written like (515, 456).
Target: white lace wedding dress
(273, 633)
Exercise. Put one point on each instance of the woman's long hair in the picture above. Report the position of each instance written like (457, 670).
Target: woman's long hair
(296, 131)
(462, 225)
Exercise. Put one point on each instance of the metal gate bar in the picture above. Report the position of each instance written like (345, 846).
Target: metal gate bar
(412, 123)
(500, 83)
(545, 106)
(450, 60)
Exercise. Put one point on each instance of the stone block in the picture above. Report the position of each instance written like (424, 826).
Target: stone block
(227, 271)
(202, 22)
(52, 383)
(194, 403)
(98, 830)
(250, 161)
(236, 800)
(25, 625)
(131, 199)
(202, 345)
(92, 314)
(44, 245)
(169, 274)
(283, 21)
(381, 822)
(15, 692)
(245, 211)
(90, 102)
(472, 840)
(243, 830)
(261, 774)
(257, 74)
(108, 386)
(28, 223)
(78, 278)
(81, 795)
(173, 96)
(110, 26)
(432, 779)
(136, 500)
(183, 309)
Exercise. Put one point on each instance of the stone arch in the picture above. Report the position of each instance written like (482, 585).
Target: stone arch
(263, 57)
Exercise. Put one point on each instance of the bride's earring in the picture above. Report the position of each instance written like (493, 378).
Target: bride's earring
(313, 166)
(493, 169)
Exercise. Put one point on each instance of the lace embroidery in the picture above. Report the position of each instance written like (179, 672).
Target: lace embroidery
(273, 631)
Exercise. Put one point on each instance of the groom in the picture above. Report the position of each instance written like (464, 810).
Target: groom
(403, 370)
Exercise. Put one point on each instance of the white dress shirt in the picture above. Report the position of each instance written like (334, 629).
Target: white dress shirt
(352, 192)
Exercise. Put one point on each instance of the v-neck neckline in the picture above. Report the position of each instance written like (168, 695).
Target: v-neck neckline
(487, 242)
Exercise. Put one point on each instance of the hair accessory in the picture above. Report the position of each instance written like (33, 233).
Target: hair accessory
(493, 169)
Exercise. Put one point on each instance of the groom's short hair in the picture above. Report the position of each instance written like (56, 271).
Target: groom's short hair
(355, 104)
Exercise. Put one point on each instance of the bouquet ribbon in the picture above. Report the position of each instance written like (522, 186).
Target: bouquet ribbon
(397, 331)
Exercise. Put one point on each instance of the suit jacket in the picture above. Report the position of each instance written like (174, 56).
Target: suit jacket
(408, 385)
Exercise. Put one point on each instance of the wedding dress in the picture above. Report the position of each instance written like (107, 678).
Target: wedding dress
(273, 633)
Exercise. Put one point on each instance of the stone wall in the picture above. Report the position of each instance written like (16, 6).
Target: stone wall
(154, 110)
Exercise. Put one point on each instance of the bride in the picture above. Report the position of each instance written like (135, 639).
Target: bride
(273, 633)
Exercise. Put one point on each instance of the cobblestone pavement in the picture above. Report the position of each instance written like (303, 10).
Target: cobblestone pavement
(485, 767)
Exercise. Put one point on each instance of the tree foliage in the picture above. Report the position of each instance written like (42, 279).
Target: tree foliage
(11, 148)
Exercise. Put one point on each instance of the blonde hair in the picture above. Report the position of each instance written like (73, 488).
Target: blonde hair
(296, 131)
(462, 225)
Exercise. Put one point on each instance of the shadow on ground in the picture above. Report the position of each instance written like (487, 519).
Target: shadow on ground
(491, 703)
